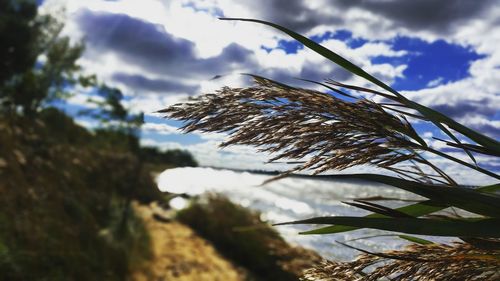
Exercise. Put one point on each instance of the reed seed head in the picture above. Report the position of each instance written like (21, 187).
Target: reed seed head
(460, 261)
(296, 123)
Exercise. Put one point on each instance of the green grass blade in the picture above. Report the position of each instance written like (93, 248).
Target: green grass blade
(415, 239)
(429, 113)
(379, 209)
(470, 147)
(436, 118)
(465, 198)
(342, 93)
(489, 228)
(324, 52)
(415, 210)
(457, 141)
(491, 145)
(489, 188)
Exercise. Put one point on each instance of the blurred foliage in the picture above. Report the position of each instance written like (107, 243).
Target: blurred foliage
(354, 125)
(67, 196)
(177, 157)
(111, 112)
(65, 211)
(39, 65)
(243, 237)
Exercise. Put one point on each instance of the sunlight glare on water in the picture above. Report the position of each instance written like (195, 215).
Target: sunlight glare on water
(290, 199)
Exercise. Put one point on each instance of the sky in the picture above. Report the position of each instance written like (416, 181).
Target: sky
(443, 54)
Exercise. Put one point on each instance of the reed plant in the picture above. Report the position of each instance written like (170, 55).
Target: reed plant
(321, 131)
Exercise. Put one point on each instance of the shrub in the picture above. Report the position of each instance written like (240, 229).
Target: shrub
(62, 205)
(243, 237)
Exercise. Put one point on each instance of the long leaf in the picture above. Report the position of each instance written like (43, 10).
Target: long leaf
(465, 198)
(456, 228)
(489, 188)
(402, 236)
(491, 144)
(416, 210)
(324, 52)
(470, 147)
(431, 115)
(415, 239)
(435, 116)
(329, 87)
(379, 209)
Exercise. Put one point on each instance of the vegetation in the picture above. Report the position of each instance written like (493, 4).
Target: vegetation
(161, 160)
(65, 207)
(67, 197)
(342, 128)
(39, 65)
(66, 191)
(244, 238)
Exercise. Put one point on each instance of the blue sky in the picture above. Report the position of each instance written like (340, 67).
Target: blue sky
(440, 53)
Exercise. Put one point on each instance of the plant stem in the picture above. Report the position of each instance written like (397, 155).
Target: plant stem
(449, 157)
(437, 169)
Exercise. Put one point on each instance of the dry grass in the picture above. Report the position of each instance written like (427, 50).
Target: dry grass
(295, 123)
(324, 133)
(460, 261)
(321, 132)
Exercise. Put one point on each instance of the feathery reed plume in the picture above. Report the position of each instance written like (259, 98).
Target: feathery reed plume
(324, 132)
(459, 261)
(298, 123)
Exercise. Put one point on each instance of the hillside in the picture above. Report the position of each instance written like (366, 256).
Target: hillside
(178, 253)
(77, 205)
(63, 202)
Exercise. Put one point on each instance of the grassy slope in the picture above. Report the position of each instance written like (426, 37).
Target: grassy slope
(62, 197)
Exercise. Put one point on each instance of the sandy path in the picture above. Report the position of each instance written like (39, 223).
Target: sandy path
(180, 254)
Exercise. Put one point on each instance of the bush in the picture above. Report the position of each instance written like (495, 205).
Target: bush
(243, 237)
(63, 205)
(174, 157)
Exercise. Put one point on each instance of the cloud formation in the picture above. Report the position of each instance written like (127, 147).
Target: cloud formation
(441, 17)
(139, 82)
(165, 51)
(150, 47)
(364, 17)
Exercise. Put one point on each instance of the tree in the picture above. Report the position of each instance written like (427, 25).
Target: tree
(110, 110)
(39, 65)
(115, 118)
(17, 37)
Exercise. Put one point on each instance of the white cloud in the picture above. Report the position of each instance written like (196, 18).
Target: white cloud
(89, 124)
(435, 82)
(209, 153)
(160, 128)
(149, 104)
(168, 130)
(81, 98)
(210, 36)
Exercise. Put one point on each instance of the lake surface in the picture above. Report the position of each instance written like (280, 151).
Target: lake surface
(291, 199)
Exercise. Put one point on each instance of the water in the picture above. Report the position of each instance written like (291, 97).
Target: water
(292, 199)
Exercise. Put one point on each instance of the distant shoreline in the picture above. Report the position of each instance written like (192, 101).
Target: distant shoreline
(276, 173)
(300, 176)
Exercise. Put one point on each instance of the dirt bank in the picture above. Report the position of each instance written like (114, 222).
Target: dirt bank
(179, 254)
